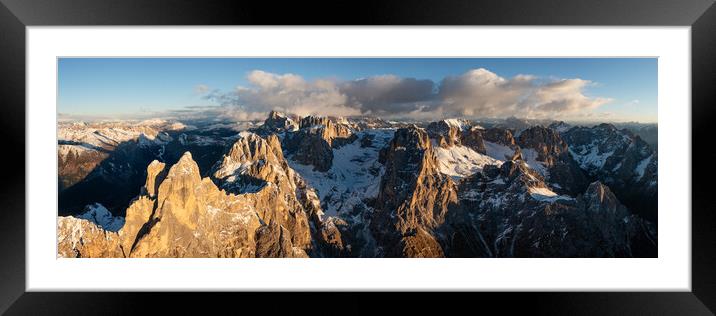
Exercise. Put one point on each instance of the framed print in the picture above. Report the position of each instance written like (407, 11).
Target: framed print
(192, 147)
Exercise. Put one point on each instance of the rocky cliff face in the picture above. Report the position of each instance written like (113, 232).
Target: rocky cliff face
(621, 160)
(414, 197)
(83, 146)
(547, 152)
(335, 131)
(328, 187)
(251, 162)
(76, 162)
(105, 162)
(308, 147)
(83, 238)
(453, 132)
(180, 214)
(500, 136)
(473, 138)
(254, 164)
(446, 132)
(510, 212)
(312, 144)
(276, 123)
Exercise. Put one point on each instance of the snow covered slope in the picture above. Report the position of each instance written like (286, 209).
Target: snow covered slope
(460, 161)
(99, 215)
(354, 175)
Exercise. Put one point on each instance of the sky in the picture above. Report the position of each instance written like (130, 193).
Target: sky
(578, 89)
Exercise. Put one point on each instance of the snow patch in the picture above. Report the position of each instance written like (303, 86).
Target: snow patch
(589, 157)
(641, 167)
(354, 175)
(545, 194)
(455, 123)
(498, 151)
(530, 157)
(101, 216)
(64, 150)
(460, 161)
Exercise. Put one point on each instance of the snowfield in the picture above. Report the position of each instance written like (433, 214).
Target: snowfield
(589, 157)
(530, 157)
(456, 123)
(545, 194)
(100, 215)
(460, 161)
(354, 175)
(641, 167)
(498, 151)
(108, 135)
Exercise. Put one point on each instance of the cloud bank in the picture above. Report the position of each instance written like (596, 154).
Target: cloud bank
(477, 93)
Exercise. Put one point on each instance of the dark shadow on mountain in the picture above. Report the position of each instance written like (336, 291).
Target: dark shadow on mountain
(119, 178)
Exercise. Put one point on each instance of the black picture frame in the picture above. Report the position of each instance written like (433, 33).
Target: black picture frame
(15, 15)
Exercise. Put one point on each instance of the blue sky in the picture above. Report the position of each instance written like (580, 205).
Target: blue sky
(130, 86)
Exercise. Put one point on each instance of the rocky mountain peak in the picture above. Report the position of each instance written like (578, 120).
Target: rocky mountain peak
(252, 162)
(407, 156)
(473, 138)
(309, 147)
(545, 150)
(314, 142)
(312, 121)
(275, 115)
(329, 129)
(449, 189)
(250, 147)
(413, 138)
(619, 159)
(155, 175)
(545, 141)
(414, 196)
(447, 132)
(185, 169)
(518, 169)
(510, 211)
(177, 194)
(500, 136)
(190, 217)
(560, 126)
(600, 198)
(276, 122)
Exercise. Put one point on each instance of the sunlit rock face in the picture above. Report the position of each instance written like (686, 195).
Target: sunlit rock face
(276, 123)
(331, 187)
(414, 197)
(454, 132)
(500, 136)
(180, 214)
(82, 238)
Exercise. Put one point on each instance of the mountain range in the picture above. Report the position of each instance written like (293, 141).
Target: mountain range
(356, 187)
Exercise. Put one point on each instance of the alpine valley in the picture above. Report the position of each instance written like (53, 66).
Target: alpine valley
(356, 187)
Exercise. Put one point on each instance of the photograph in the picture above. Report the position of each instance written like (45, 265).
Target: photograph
(212, 152)
(357, 157)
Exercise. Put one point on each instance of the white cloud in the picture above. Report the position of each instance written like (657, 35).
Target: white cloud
(287, 92)
(476, 93)
(480, 92)
(388, 94)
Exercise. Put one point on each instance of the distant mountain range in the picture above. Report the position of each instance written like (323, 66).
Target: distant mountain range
(356, 187)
